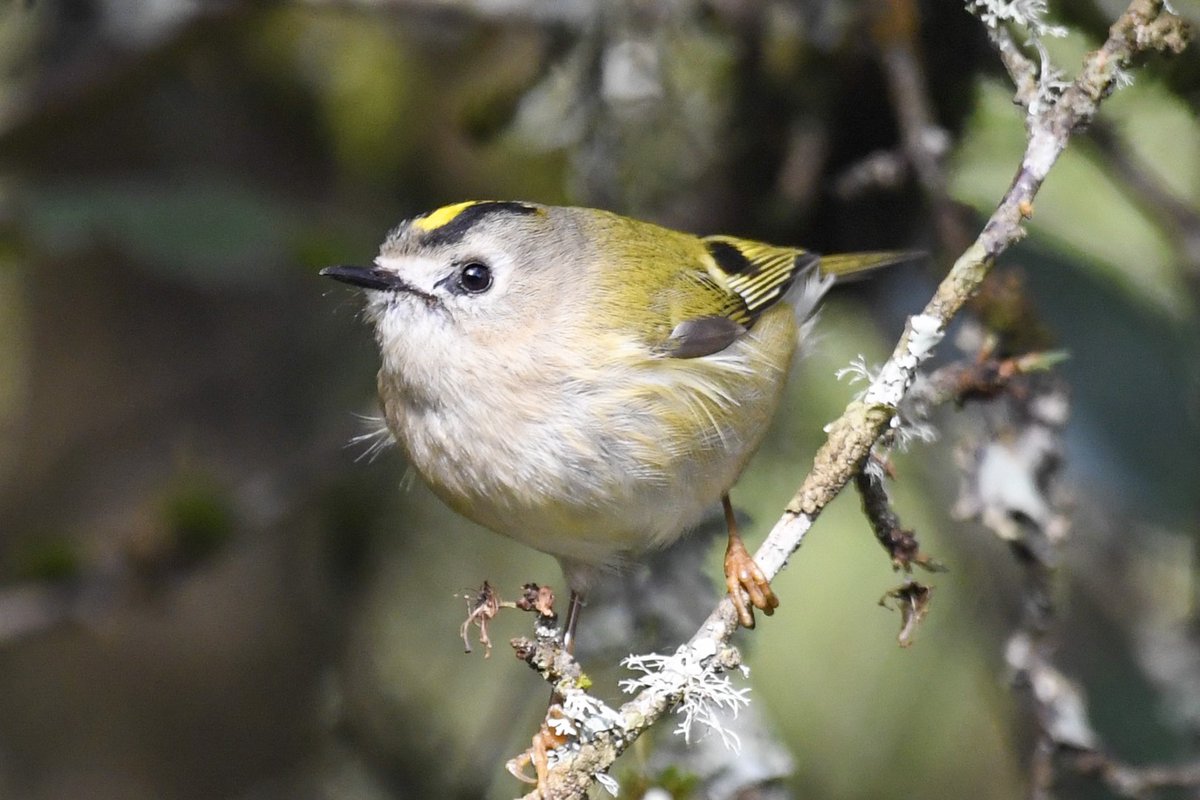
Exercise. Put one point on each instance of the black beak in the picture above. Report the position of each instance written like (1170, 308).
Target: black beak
(367, 278)
(381, 280)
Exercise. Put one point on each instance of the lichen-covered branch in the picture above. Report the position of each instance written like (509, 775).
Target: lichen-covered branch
(1011, 468)
(1055, 111)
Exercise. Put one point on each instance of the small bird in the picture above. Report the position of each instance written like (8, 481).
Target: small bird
(583, 382)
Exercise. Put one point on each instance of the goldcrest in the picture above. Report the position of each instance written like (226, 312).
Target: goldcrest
(585, 383)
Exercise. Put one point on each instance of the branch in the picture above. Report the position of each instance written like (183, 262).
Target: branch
(1012, 487)
(923, 141)
(1054, 114)
(899, 542)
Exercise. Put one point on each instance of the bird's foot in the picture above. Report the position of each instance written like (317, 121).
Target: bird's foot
(537, 756)
(744, 579)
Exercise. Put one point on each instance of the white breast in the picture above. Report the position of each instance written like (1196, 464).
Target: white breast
(587, 462)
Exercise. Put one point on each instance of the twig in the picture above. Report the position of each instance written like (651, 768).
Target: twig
(899, 542)
(1053, 117)
(1126, 780)
(985, 377)
(924, 142)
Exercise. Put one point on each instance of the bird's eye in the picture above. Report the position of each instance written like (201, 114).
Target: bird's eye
(475, 278)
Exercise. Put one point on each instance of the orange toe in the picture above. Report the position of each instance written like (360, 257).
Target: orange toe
(745, 580)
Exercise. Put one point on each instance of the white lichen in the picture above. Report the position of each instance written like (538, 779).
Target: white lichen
(582, 719)
(857, 372)
(588, 716)
(1027, 14)
(609, 783)
(707, 695)
(889, 385)
(909, 432)
(1041, 152)
(563, 726)
(1066, 716)
(926, 334)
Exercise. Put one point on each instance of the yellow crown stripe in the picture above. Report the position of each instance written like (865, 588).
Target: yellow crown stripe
(442, 216)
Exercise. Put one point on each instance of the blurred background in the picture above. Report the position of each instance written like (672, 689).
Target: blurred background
(208, 591)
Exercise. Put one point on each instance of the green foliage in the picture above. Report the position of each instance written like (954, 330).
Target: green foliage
(48, 558)
(677, 783)
(205, 229)
(198, 517)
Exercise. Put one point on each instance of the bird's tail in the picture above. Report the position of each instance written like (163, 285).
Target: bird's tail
(848, 266)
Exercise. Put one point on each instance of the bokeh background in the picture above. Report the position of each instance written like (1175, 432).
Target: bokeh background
(206, 591)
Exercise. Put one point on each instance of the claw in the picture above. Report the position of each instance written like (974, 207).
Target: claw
(537, 755)
(743, 577)
(516, 767)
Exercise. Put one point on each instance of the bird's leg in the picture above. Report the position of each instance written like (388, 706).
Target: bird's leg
(573, 608)
(742, 576)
